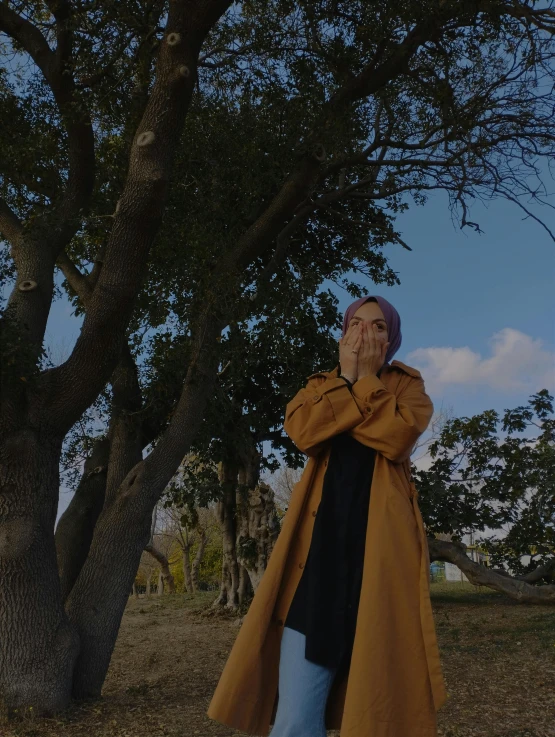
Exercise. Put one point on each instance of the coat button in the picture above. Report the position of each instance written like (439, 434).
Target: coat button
(280, 622)
(316, 398)
(301, 565)
(314, 513)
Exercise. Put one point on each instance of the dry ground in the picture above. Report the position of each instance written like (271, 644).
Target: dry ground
(498, 659)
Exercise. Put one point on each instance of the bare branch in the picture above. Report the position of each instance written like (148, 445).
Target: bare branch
(298, 186)
(528, 213)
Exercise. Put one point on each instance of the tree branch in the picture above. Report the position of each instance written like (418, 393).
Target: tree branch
(374, 77)
(10, 225)
(73, 386)
(516, 588)
(76, 280)
(64, 219)
(47, 234)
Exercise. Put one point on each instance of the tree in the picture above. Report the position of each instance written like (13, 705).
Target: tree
(353, 106)
(154, 548)
(186, 528)
(479, 480)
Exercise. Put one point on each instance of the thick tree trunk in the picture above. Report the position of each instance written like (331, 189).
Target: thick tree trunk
(98, 599)
(99, 596)
(258, 531)
(39, 646)
(112, 457)
(257, 521)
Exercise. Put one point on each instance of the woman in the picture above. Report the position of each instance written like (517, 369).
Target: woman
(340, 633)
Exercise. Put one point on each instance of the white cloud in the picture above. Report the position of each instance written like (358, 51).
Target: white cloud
(518, 363)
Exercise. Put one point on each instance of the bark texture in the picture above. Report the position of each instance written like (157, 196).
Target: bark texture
(191, 569)
(225, 510)
(39, 645)
(257, 520)
(75, 528)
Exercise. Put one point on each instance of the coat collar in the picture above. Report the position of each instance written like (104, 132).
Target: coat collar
(334, 373)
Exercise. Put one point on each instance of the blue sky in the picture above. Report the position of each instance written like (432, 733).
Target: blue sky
(477, 310)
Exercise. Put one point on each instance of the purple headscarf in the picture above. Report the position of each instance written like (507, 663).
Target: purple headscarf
(392, 319)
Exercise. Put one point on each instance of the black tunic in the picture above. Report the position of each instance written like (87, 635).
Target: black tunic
(325, 603)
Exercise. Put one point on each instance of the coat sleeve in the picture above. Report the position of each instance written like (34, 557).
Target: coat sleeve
(392, 423)
(322, 409)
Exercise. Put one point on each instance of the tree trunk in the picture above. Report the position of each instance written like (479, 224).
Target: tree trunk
(257, 521)
(75, 528)
(165, 573)
(198, 557)
(225, 586)
(245, 588)
(99, 597)
(112, 457)
(39, 646)
(225, 510)
(187, 578)
(258, 531)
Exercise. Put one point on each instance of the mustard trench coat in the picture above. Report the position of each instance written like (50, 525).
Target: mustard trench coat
(395, 684)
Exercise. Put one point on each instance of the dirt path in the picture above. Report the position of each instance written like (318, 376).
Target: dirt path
(498, 659)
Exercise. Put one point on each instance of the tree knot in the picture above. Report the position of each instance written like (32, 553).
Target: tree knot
(173, 39)
(28, 285)
(146, 138)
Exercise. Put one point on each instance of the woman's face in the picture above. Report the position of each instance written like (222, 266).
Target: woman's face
(371, 313)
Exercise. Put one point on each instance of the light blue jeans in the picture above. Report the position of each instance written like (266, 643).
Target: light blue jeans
(303, 690)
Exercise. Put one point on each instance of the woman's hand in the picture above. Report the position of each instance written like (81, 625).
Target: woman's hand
(372, 353)
(351, 341)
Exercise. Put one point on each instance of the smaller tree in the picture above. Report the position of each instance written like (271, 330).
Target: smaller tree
(480, 480)
(190, 533)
